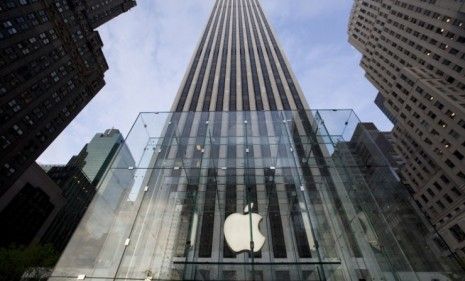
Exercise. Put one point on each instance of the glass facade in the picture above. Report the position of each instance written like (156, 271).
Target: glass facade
(292, 173)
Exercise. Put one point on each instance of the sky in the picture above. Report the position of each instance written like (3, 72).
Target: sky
(148, 50)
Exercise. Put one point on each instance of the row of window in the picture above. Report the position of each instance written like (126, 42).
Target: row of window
(244, 79)
(11, 4)
(233, 78)
(457, 155)
(214, 65)
(37, 114)
(190, 76)
(246, 19)
(458, 233)
(429, 13)
(222, 80)
(41, 136)
(418, 55)
(22, 23)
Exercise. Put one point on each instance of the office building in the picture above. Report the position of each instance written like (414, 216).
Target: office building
(95, 157)
(28, 208)
(51, 65)
(79, 180)
(78, 192)
(414, 54)
(99, 12)
(237, 182)
(371, 152)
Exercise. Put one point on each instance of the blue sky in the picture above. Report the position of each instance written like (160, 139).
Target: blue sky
(148, 50)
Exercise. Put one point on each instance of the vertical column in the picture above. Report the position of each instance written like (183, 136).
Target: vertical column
(188, 80)
(296, 95)
(277, 81)
(242, 57)
(233, 71)
(255, 78)
(264, 77)
(209, 92)
(205, 62)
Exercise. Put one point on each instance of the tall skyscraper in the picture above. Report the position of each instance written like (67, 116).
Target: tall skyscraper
(414, 54)
(371, 153)
(99, 12)
(51, 65)
(238, 182)
(78, 192)
(95, 157)
(80, 178)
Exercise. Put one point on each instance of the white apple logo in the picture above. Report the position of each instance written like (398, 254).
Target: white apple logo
(240, 230)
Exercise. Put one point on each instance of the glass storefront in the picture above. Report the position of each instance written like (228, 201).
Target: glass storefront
(269, 195)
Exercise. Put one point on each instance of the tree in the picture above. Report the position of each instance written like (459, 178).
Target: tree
(14, 261)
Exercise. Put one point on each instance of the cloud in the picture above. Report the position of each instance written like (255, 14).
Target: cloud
(314, 37)
(148, 50)
(298, 10)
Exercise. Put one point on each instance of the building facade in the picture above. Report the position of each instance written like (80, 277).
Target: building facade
(95, 157)
(52, 65)
(79, 180)
(372, 153)
(29, 207)
(414, 54)
(78, 192)
(237, 182)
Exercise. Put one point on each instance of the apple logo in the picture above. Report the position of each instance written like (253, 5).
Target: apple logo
(242, 233)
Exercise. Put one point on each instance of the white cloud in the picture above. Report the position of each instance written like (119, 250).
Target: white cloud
(297, 10)
(314, 37)
(148, 50)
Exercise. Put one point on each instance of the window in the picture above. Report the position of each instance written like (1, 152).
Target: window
(453, 51)
(457, 68)
(458, 233)
(462, 123)
(450, 164)
(451, 114)
(439, 203)
(440, 243)
(456, 191)
(448, 199)
(4, 141)
(442, 124)
(458, 155)
(17, 129)
(454, 134)
(438, 187)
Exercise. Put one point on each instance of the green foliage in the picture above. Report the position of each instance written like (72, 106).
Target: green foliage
(14, 261)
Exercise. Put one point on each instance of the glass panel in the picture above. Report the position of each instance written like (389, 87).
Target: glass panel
(270, 195)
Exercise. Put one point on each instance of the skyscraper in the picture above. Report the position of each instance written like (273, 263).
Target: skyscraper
(99, 12)
(95, 157)
(238, 44)
(28, 208)
(52, 65)
(414, 54)
(79, 180)
(78, 193)
(371, 152)
(238, 182)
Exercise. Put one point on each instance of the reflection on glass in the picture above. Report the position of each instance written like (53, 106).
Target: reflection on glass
(322, 218)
